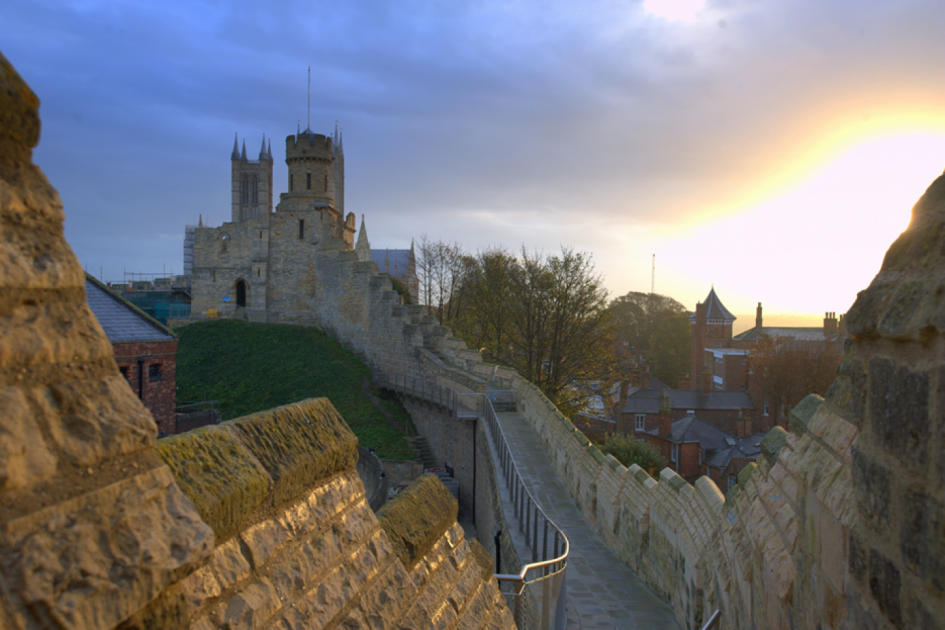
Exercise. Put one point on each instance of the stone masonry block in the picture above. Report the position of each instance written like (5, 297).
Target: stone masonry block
(299, 444)
(92, 561)
(899, 411)
(25, 459)
(19, 108)
(803, 411)
(416, 518)
(95, 420)
(217, 474)
(922, 536)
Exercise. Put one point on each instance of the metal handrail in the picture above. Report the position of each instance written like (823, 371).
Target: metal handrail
(528, 513)
(713, 621)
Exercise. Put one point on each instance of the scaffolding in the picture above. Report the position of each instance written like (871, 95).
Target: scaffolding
(189, 249)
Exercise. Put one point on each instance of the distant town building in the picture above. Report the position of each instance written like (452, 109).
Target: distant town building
(145, 351)
(694, 447)
(719, 360)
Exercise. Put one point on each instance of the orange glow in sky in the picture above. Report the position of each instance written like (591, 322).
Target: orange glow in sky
(781, 249)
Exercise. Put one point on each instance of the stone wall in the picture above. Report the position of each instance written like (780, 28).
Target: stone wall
(299, 546)
(258, 522)
(840, 524)
(92, 525)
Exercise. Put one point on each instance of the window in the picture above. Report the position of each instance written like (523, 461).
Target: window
(301, 228)
(308, 181)
(766, 407)
(255, 190)
(701, 456)
(641, 421)
(291, 179)
(717, 344)
(732, 481)
(672, 452)
(244, 190)
(154, 372)
(124, 372)
(718, 359)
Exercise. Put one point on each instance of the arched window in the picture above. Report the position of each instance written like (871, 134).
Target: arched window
(255, 190)
(308, 181)
(291, 179)
(244, 190)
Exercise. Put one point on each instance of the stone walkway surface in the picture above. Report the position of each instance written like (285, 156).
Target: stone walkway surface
(602, 591)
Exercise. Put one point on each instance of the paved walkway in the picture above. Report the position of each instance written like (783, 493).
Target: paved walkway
(602, 591)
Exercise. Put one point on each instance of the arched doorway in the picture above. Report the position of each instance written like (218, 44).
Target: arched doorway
(240, 293)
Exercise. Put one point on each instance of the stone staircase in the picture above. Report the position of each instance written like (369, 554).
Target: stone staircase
(451, 484)
(421, 450)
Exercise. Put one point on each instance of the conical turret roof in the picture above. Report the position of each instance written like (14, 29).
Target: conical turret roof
(236, 147)
(715, 310)
(262, 151)
(243, 156)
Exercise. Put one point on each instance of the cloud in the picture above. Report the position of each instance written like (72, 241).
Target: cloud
(513, 122)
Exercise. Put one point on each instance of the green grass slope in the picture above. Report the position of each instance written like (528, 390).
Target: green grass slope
(253, 367)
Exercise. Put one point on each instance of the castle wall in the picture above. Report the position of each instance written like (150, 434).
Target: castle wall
(254, 523)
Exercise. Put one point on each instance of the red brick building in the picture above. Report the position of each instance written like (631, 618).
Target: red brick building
(718, 361)
(145, 351)
(694, 447)
(732, 412)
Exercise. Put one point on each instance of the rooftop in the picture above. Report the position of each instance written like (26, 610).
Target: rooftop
(122, 321)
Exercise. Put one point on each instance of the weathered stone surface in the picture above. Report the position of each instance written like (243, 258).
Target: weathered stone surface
(299, 444)
(416, 518)
(98, 420)
(94, 560)
(24, 457)
(217, 474)
(19, 107)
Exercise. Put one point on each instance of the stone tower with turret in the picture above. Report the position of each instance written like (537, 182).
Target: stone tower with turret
(251, 182)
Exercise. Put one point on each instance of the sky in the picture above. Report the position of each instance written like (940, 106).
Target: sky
(772, 149)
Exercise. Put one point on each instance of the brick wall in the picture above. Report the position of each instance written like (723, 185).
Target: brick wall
(160, 391)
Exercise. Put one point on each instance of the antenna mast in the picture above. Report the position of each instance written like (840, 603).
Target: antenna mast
(653, 280)
(309, 120)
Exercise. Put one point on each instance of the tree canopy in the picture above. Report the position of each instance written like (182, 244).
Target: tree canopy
(544, 315)
(657, 327)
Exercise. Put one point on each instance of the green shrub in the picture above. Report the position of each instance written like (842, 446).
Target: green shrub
(629, 451)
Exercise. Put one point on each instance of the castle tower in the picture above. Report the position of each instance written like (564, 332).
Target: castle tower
(711, 326)
(251, 182)
(310, 157)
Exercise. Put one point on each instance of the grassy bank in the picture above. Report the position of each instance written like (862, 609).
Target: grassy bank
(252, 367)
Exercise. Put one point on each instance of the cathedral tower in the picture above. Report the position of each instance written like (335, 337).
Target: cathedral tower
(251, 182)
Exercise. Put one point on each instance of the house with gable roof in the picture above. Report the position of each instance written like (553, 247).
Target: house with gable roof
(145, 351)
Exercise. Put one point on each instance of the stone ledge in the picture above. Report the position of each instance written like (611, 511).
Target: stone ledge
(417, 517)
(217, 474)
(298, 444)
(803, 411)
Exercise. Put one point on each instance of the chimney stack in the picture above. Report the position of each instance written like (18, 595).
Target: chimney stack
(758, 317)
(665, 419)
(831, 326)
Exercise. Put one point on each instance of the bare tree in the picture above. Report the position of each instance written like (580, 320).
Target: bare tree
(785, 369)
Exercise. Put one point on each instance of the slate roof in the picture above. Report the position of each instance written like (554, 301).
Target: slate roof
(648, 400)
(748, 446)
(801, 334)
(692, 429)
(400, 256)
(715, 309)
(122, 322)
